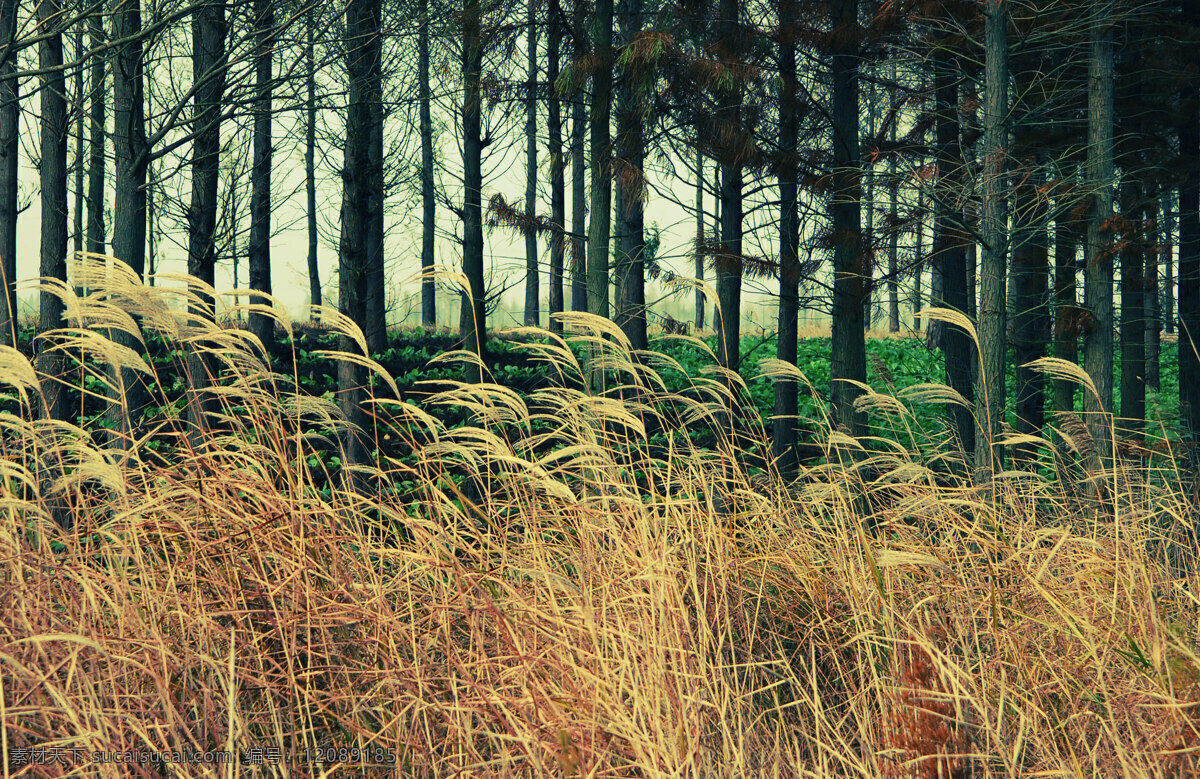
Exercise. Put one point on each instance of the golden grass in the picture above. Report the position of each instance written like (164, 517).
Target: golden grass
(595, 612)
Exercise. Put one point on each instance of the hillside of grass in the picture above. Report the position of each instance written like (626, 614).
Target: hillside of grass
(550, 581)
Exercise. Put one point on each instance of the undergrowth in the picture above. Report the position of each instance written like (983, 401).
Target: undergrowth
(592, 608)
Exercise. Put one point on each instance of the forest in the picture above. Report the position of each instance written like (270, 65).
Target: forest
(822, 398)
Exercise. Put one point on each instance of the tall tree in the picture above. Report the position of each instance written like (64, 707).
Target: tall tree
(208, 77)
(994, 224)
(532, 277)
(259, 248)
(375, 328)
(868, 203)
(601, 168)
(96, 136)
(787, 407)
(53, 179)
(701, 298)
(1168, 262)
(1153, 310)
(732, 41)
(428, 204)
(850, 279)
(917, 298)
(1133, 295)
(1030, 325)
(131, 148)
(1066, 323)
(472, 321)
(10, 117)
(1098, 278)
(362, 179)
(949, 277)
(893, 271)
(80, 116)
(1189, 251)
(630, 183)
(579, 236)
(554, 147)
(310, 147)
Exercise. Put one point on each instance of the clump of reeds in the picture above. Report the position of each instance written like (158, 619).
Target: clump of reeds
(553, 596)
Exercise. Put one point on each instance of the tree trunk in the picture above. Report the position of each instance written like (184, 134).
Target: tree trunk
(1133, 325)
(917, 299)
(554, 147)
(1153, 314)
(893, 231)
(53, 180)
(868, 240)
(1189, 295)
(359, 181)
(533, 292)
(1066, 343)
(10, 118)
(96, 138)
(1098, 278)
(375, 328)
(1168, 261)
(701, 298)
(208, 74)
(259, 248)
(949, 281)
(787, 408)
(729, 264)
(310, 150)
(968, 118)
(631, 242)
(850, 279)
(151, 235)
(934, 328)
(1031, 324)
(599, 234)
(472, 321)
(994, 224)
(579, 236)
(1189, 259)
(80, 115)
(428, 204)
(972, 250)
(129, 395)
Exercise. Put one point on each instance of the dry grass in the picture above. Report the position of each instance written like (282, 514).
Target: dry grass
(578, 620)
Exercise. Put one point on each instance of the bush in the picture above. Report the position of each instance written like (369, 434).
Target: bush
(595, 609)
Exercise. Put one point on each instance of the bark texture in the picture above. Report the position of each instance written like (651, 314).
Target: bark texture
(630, 188)
(601, 168)
(787, 392)
(558, 184)
(994, 227)
(1098, 277)
(532, 276)
(53, 181)
(208, 74)
(472, 319)
(362, 177)
(850, 281)
(10, 116)
(258, 254)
